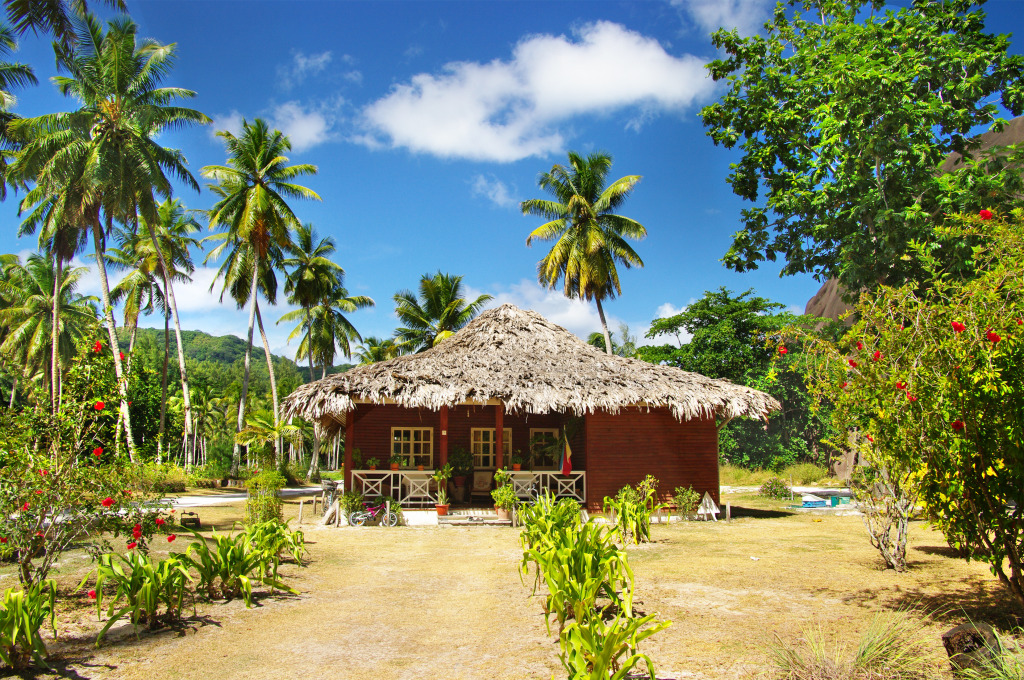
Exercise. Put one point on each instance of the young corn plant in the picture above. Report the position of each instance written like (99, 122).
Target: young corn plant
(595, 648)
(141, 587)
(22, 615)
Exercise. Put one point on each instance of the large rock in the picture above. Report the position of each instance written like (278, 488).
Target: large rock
(970, 646)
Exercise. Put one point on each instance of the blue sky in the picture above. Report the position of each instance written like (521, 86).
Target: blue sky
(430, 121)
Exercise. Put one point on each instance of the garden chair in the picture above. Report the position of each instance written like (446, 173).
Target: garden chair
(482, 481)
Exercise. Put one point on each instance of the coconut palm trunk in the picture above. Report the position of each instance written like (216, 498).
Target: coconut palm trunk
(236, 458)
(55, 331)
(604, 326)
(14, 390)
(169, 293)
(314, 462)
(163, 392)
(273, 384)
(108, 314)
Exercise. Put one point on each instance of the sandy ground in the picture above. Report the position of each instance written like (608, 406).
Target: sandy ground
(404, 603)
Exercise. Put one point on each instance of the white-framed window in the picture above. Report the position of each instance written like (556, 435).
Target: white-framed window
(482, 440)
(414, 444)
(541, 438)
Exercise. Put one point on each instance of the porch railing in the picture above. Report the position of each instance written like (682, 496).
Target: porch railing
(415, 488)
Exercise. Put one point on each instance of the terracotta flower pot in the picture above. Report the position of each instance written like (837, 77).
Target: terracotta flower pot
(460, 481)
(503, 513)
(394, 466)
(442, 510)
(516, 467)
(373, 467)
(420, 468)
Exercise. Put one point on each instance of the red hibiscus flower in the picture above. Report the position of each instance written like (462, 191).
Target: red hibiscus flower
(3, 539)
(992, 336)
(170, 538)
(137, 532)
(783, 350)
(132, 545)
(870, 438)
(911, 397)
(43, 473)
(860, 345)
(92, 594)
(844, 385)
(958, 327)
(159, 521)
(957, 425)
(107, 502)
(901, 386)
(852, 363)
(98, 451)
(1020, 322)
(39, 492)
(98, 347)
(25, 507)
(99, 405)
(120, 355)
(876, 356)
(985, 214)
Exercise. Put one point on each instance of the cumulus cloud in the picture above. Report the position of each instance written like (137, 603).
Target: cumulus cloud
(668, 309)
(494, 190)
(746, 16)
(508, 110)
(228, 122)
(306, 127)
(295, 72)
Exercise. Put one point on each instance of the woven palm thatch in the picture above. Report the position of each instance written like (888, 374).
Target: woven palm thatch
(532, 366)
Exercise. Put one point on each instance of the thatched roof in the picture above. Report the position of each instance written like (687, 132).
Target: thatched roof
(532, 366)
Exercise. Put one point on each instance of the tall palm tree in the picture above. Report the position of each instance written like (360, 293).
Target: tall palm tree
(104, 154)
(29, 289)
(51, 16)
(439, 310)
(255, 215)
(11, 76)
(589, 237)
(374, 349)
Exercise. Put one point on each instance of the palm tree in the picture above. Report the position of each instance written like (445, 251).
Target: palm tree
(262, 428)
(589, 237)
(625, 348)
(374, 349)
(29, 288)
(11, 76)
(439, 310)
(103, 155)
(256, 217)
(51, 16)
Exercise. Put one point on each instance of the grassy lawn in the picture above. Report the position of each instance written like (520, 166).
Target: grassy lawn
(424, 602)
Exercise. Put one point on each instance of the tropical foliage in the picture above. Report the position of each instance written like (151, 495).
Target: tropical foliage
(439, 310)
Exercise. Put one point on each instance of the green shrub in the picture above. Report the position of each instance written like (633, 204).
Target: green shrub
(227, 571)
(505, 497)
(264, 500)
(775, 488)
(633, 509)
(350, 502)
(22, 615)
(687, 500)
(141, 587)
(734, 475)
(273, 538)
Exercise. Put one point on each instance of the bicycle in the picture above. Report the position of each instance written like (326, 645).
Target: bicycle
(386, 518)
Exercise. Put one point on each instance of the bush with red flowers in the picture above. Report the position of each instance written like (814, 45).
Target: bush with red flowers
(953, 439)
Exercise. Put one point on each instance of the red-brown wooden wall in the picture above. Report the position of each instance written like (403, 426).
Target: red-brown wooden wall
(624, 448)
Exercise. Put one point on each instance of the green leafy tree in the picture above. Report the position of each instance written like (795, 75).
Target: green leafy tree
(439, 310)
(933, 381)
(737, 337)
(843, 114)
(254, 212)
(102, 157)
(590, 238)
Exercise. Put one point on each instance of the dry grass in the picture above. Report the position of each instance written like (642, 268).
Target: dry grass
(431, 603)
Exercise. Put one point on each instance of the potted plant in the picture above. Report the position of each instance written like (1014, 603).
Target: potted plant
(517, 461)
(461, 461)
(395, 461)
(504, 501)
(357, 459)
(442, 502)
(441, 476)
(372, 463)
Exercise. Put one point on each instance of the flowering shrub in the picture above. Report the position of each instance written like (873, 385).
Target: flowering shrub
(956, 351)
(775, 488)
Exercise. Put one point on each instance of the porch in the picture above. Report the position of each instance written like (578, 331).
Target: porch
(417, 489)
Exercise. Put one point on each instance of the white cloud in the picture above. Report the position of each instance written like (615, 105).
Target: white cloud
(668, 309)
(494, 190)
(508, 110)
(306, 127)
(300, 67)
(228, 122)
(746, 16)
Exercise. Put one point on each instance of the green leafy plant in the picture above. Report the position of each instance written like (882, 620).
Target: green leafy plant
(596, 648)
(22, 615)
(775, 488)
(273, 538)
(633, 509)
(227, 571)
(141, 587)
(397, 460)
(505, 497)
(350, 502)
(372, 462)
(461, 460)
(687, 500)
(264, 499)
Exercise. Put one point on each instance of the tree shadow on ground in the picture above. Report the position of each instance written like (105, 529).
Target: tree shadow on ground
(66, 667)
(757, 513)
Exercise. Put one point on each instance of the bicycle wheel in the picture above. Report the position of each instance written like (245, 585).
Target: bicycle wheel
(390, 519)
(357, 519)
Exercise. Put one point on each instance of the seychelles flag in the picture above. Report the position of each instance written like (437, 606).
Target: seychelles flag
(566, 459)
